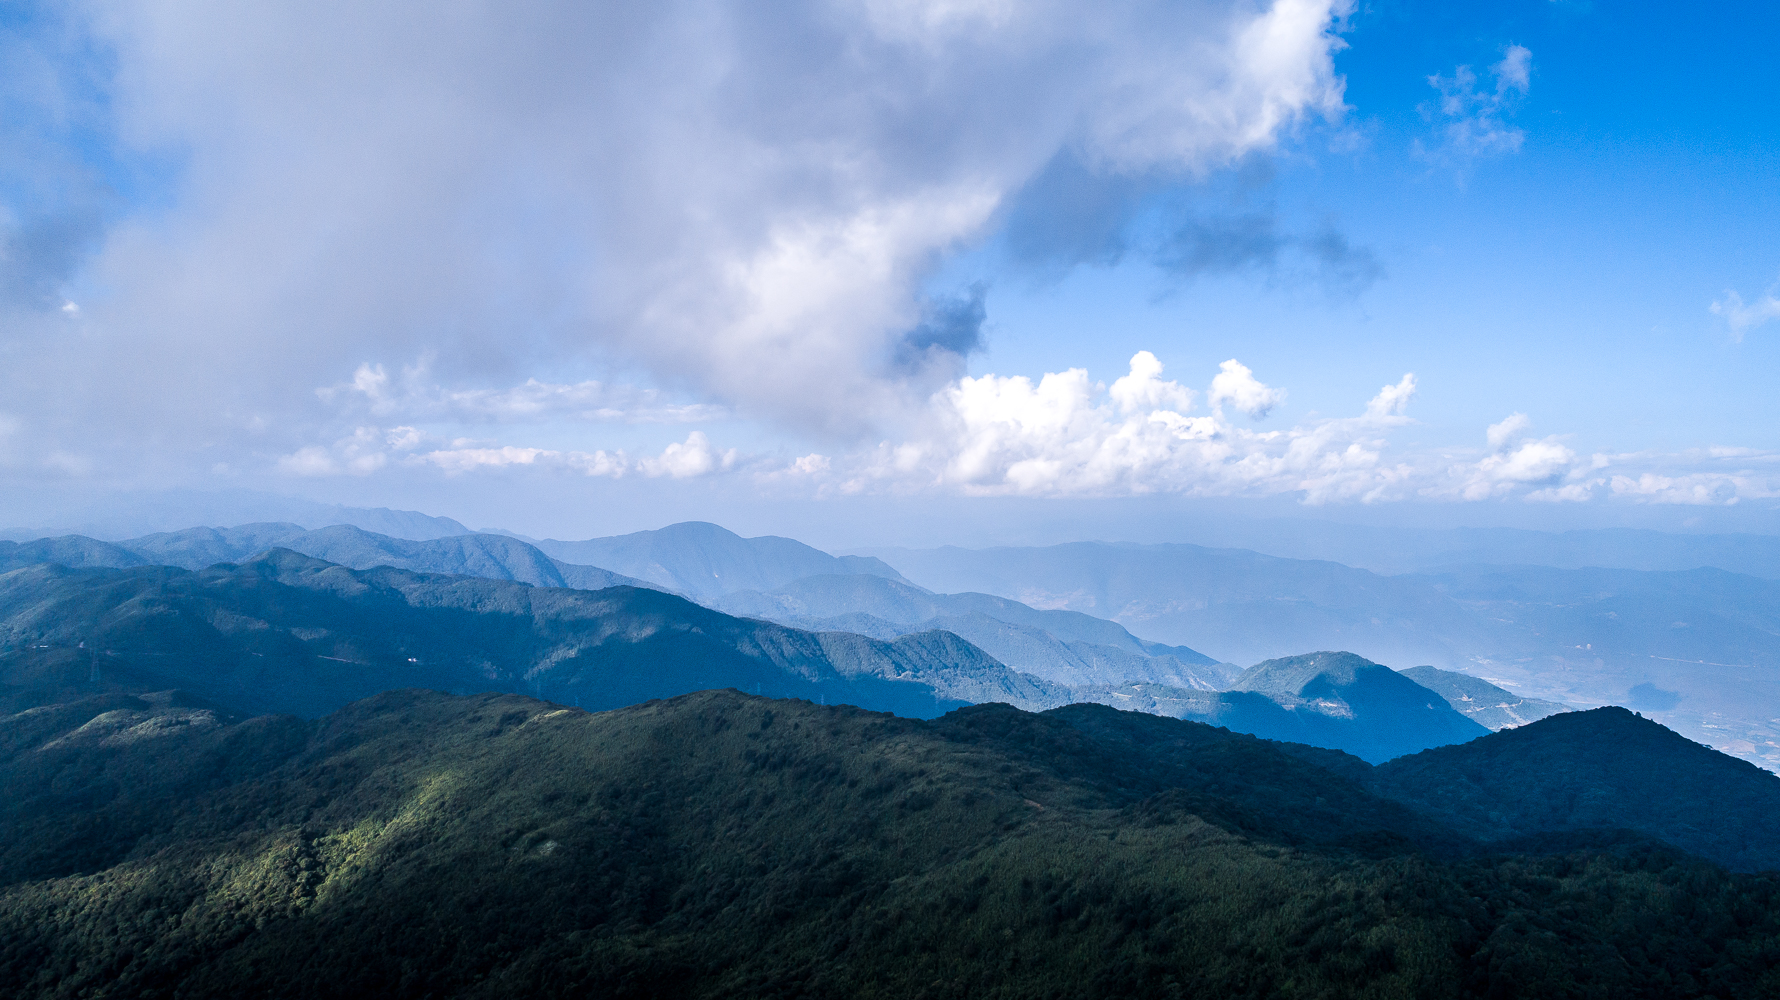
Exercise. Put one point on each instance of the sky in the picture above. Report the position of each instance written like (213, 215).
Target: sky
(892, 271)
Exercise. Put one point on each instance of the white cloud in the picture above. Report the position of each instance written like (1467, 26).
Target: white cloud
(360, 453)
(1471, 120)
(1066, 435)
(686, 459)
(742, 203)
(1696, 489)
(313, 460)
(1143, 388)
(416, 397)
(1516, 462)
(1572, 493)
(1236, 385)
(1515, 71)
(1392, 400)
(369, 449)
(1742, 317)
(1510, 428)
(455, 461)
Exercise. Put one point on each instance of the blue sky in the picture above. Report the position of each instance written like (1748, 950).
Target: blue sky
(1570, 280)
(692, 261)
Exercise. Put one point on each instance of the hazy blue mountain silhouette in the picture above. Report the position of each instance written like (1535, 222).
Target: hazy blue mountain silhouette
(496, 557)
(1398, 548)
(1392, 714)
(1334, 700)
(1066, 647)
(703, 560)
(1482, 702)
(126, 514)
(1707, 637)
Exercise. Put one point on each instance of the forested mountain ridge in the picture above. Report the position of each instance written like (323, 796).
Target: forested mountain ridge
(496, 557)
(719, 844)
(1601, 769)
(287, 633)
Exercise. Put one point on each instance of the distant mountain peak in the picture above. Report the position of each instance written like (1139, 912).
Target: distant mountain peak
(1296, 676)
(704, 560)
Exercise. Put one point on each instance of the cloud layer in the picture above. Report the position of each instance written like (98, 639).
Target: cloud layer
(739, 204)
(1068, 435)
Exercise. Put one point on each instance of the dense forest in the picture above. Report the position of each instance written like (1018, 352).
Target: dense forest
(417, 844)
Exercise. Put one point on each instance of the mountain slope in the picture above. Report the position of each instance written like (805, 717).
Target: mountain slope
(77, 551)
(1065, 647)
(723, 845)
(703, 560)
(1604, 768)
(1482, 702)
(288, 633)
(1391, 715)
(1334, 700)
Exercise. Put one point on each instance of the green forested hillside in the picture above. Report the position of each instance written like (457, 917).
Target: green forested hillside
(719, 844)
(1598, 769)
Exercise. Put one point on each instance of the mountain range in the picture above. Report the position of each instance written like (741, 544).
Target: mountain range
(283, 632)
(1694, 648)
(718, 844)
(497, 557)
(1397, 548)
(1065, 648)
(139, 512)
(703, 560)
